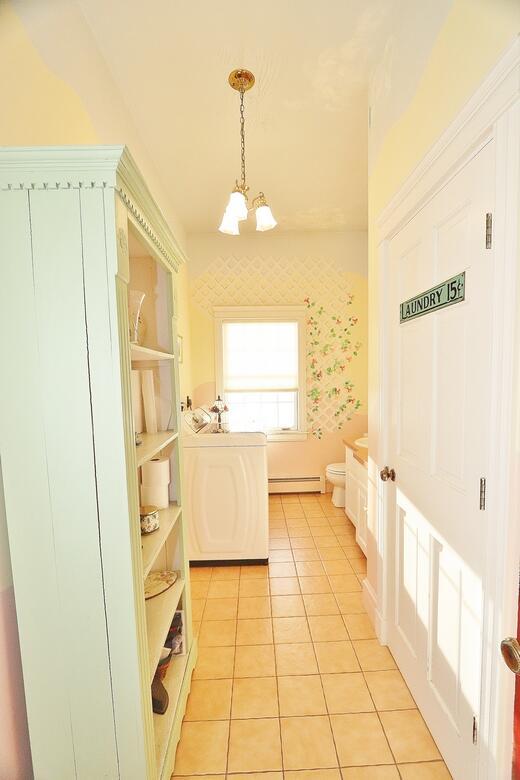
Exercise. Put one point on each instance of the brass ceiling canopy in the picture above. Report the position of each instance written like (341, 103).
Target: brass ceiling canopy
(241, 79)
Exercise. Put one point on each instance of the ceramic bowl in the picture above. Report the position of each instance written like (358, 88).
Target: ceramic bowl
(149, 516)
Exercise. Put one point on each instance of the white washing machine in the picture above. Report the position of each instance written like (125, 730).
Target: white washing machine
(225, 492)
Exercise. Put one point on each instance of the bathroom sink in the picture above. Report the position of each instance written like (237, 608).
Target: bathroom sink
(362, 441)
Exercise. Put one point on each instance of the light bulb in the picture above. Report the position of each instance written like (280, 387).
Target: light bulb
(264, 218)
(237, 205)
(229, 224)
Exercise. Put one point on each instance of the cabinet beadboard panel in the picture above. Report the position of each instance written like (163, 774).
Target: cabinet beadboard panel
(29, 511)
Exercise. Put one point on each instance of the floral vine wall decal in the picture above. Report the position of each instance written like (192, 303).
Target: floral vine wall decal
(330, 349)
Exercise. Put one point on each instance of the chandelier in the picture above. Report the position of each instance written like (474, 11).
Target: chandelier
(237, 208)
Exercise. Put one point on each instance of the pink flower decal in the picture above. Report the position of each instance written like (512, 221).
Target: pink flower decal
(323, 360)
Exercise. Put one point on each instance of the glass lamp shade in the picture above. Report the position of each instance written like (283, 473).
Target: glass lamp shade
(264, 218)
(219, 405)
(229, 224)
(237, 205)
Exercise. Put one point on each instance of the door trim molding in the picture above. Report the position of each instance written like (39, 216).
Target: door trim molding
(491, 114)
(496, 93)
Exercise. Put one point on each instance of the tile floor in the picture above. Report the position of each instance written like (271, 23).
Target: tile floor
(291, 681)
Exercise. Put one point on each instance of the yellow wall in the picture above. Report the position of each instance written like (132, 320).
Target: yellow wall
(37, 107)
(183, 329)
(317, 270)
(472, 38)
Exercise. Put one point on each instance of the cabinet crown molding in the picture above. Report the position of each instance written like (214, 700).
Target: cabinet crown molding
(77, 167)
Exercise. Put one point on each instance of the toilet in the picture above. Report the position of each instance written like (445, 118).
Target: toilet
(335, 473)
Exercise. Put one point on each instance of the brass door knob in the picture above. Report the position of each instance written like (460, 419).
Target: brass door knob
(387, 474)
(511, 653)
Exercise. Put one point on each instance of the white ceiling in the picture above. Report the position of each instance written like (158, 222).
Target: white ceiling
(154, 75)
(306, 117)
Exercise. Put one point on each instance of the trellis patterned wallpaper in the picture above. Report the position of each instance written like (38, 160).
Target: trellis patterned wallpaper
(336, 324)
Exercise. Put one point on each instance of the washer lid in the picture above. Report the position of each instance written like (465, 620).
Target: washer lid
(336, 468)
(225, 440)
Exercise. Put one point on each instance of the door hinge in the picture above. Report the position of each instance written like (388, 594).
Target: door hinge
(489, 230)
(482, 493)
(475, 730)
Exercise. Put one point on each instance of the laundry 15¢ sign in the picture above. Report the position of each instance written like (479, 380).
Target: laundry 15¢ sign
(445, 294)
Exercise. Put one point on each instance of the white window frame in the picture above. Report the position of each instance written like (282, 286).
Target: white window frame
(225, 314)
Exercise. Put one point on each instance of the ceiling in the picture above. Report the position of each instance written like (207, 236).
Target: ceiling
(164, 66)
(306, 117)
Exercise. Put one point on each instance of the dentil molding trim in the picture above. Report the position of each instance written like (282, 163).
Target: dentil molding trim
(85, 167)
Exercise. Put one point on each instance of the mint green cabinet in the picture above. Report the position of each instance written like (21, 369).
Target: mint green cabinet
(75, 225)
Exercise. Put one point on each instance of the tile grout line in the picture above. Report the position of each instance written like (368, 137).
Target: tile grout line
(233, 678)
(332, 591)
(373, 702)
(330, 721)
(377, 711)
(277, 696)
(363, 674)
(316, 660)
(342, 616)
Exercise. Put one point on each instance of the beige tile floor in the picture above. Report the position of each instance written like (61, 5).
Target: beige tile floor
(291, 682)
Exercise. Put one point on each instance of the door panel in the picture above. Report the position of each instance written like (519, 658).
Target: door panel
(450, 362)
(444, 672)
(414, 396)
(407, 584)
(439, 367)
(411, 579)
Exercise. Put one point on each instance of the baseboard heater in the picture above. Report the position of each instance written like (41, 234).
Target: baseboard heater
(296, 484)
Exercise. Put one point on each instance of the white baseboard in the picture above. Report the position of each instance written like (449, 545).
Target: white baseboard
(297, 484)
(369, 600)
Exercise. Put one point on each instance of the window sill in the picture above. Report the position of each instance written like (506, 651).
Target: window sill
(287, 436)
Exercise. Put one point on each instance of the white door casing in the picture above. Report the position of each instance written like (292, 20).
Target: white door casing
(450, 670)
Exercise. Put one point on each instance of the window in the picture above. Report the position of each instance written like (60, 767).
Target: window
(260, 360)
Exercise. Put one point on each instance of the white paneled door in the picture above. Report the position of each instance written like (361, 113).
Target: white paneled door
(439, 368)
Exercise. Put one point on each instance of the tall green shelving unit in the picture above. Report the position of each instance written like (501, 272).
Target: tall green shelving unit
(78, 230)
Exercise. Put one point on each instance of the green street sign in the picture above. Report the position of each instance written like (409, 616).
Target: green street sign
(445, 294)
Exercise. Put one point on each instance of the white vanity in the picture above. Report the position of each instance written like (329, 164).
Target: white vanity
(356, 487)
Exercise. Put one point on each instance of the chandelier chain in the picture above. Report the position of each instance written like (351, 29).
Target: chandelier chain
(238, 207)
(242, 140)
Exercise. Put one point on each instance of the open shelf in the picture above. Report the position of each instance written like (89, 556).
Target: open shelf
(140, 354)
(162, 724)
(166, 547)
(152, 443)
(159, 615)
(151, 544)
